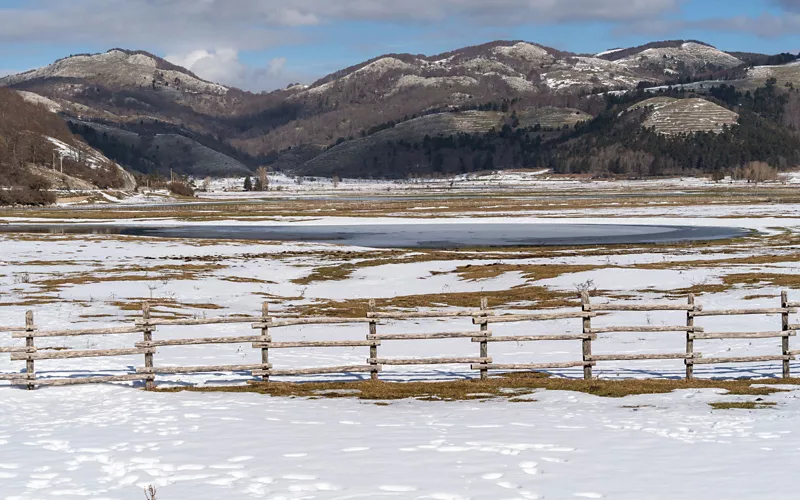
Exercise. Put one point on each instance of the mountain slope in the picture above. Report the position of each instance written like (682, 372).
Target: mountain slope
(154, 117)
(34, 143)
(671, 116)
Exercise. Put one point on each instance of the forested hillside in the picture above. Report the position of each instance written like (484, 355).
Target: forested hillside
(617, 142)
(620, 112)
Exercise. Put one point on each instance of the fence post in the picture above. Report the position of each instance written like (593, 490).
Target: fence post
(30, 371)
(373, 349)
(586, 307)
(689, 339)
(484, 343)
(265, 337)
(150, 382)
(785, 330)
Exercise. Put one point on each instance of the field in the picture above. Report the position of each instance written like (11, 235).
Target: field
(438, 436)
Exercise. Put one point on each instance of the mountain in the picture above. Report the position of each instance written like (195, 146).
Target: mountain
(154, 117)
(677, 57)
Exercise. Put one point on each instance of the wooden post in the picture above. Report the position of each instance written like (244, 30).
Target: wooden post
(484, 344)
(30, 371)
(785, 328)
(689, 361)
(586, 306)
(373, 350)
(150, 383)
(265, 333)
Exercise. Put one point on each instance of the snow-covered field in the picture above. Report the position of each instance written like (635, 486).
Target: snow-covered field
(110, 441)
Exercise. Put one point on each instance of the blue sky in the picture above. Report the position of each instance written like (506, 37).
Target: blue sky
(264, 44)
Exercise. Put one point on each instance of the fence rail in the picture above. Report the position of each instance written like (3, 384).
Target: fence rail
(269, 329)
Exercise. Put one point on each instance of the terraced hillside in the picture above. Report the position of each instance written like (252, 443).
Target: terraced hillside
(784, 74)
(670, 116)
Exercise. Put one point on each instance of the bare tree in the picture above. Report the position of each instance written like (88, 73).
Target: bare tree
(335, 181)
(759, 171)
(150, 493)
(263, 178)
(207, 184)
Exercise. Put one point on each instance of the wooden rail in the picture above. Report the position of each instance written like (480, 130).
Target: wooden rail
(269, 329)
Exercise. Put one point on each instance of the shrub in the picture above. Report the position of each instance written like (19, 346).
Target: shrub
(180, 188)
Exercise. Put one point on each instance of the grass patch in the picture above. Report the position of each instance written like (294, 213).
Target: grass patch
(542, 297)
(762, 279)
(742, 405)
(471, 272)
(509, 387)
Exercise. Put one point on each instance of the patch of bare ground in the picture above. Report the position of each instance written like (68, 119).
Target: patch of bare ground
(541, 297)
(471, 272)
(163, 306)
(509, 386)
(742, 405)
(158, 273)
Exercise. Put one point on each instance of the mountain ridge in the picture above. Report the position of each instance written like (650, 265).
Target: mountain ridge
(123, 93)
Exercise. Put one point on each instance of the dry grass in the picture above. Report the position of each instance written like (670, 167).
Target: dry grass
(435, 203)
(742, 405)
(761, 279)
(122, 274)
(529, 272)
(510, 386)
(541, 297)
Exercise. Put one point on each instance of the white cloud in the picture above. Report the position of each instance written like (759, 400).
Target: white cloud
(257, 24)
(207, 36)
(766, 25)
(224, 66)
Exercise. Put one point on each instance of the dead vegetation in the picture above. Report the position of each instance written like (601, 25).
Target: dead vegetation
(742, 405)
(541, 297)
(434, 204)
(514, 386)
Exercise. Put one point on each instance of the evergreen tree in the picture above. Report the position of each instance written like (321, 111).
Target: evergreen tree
(248, 183)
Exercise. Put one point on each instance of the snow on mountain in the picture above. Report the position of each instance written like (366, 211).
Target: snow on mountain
(381, 67)
(91, 158)
(408, 81)
(525, 52)
(607, 52)
(120, 68)
(670, 116)
(688, 55)
(33, 98)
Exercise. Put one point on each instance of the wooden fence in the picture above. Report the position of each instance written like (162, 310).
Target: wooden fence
(267, 328)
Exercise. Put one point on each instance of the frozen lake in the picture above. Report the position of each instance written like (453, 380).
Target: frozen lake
(417, 235)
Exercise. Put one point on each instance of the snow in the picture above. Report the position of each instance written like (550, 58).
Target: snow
(93, 158)
(692, 54)
(519, 84)
(607, 52)
(407, 81)
(119, 66)
(111, 441)
(249, 446)
(381, 66)
(33, 98)
(524, 51)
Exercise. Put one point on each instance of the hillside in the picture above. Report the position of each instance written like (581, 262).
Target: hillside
(35, 145)
(685, 58)
(155, 117)
(671, 116)
(360, 156)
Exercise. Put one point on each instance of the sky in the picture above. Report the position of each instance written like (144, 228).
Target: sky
(261, 45)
